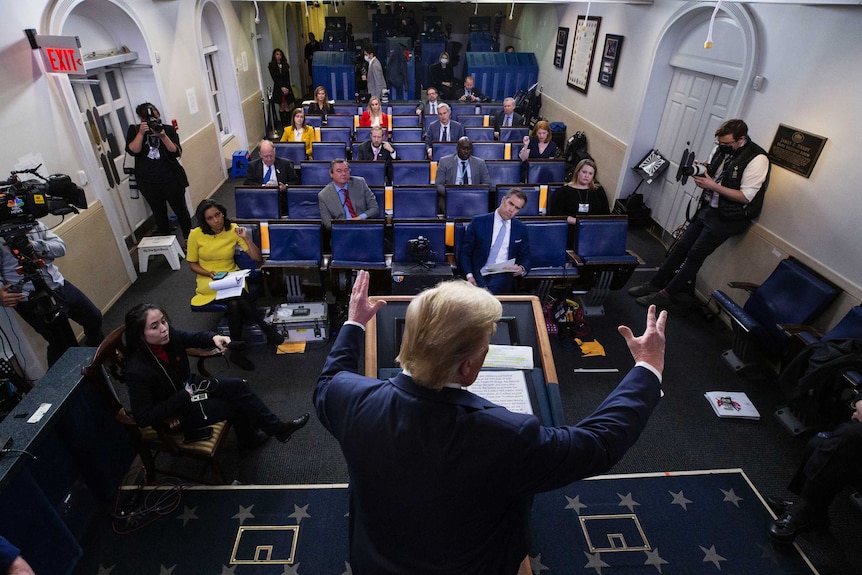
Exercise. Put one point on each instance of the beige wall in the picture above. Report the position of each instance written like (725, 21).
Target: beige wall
(202, 161)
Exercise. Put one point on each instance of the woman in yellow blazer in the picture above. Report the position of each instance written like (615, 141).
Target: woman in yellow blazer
(297, 131)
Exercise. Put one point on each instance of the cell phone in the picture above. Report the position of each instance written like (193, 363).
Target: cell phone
(219, 275)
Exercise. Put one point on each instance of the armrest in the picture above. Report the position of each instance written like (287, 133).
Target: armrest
(747, 286)
(641, 261)
(574, 257)
(792, 329)
(203, 355)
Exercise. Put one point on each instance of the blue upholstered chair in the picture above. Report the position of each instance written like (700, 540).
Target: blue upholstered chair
(467, 201)
(315, 173)
(414, 202)
(302, 202)
(504, 171)
(407, 134)
(489, 150)
(792, 294)
(411, 173)
(480, 134)
(410, 151)
(405, 121)
(440, 149)
(546, 171)
(293, 151)
(474, 120)
(257, 202)
(336, 134)
(434, 231)
(294, 244)
(515, 134)
(373, 172)
(357, 245)
(603, 262)
(548, 254)
(327, 151)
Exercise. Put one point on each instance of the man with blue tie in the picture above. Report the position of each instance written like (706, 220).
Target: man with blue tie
(507, 117)
(444, 129)
(441, 480)
(270, 170)
(346, 197)
(492, 240)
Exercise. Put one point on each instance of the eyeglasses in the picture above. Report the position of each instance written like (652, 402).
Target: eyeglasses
(720, 143)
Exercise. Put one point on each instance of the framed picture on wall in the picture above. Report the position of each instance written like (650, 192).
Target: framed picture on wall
(610, 59)
(583, 49)
(560, 50)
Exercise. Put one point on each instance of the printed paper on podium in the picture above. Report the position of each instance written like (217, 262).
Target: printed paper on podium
(509, 357)
(499, 268)
(505, 388)
(231, 285)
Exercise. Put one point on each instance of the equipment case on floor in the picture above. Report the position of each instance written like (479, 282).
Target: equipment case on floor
(300, 321)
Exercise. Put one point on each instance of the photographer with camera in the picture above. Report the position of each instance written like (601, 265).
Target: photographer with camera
(47, 300)
(734, 182)
(161, 178)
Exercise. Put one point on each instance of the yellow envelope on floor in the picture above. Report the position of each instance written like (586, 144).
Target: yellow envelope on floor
(292, 347)
(590, 348)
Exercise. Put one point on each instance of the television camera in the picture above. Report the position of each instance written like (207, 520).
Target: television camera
(420, 251)
(21, 203)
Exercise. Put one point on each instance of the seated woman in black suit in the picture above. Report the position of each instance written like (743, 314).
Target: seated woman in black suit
(540, 145)
(442, 77)
(583, 196)
(321, 105)
(161, 384)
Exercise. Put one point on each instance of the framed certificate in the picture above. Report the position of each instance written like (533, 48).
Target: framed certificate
(560, 49)
(583, 49)
(610, 59)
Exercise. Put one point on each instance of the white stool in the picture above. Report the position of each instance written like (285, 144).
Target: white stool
(167, 246)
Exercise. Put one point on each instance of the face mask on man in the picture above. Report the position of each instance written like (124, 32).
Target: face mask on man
(444, 60)
(725, 149)
(368, 59)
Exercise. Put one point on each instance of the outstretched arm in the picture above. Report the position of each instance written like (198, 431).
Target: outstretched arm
(649, 347)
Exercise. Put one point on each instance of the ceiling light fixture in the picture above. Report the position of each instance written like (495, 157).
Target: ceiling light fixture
(512, 11)
(708, 43)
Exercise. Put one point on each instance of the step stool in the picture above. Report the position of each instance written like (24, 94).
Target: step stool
(167, 246)
(240, 164)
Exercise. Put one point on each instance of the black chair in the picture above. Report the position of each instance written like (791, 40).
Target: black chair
(792, 294)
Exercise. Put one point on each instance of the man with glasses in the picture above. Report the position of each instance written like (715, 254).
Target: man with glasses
(735, 182)
(429, 107)
(269, 170)
(346, 197)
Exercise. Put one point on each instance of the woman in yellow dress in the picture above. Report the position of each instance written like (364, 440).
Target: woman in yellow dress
(211, 250)
(297, 131)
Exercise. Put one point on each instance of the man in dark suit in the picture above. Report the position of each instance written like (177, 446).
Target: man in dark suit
(469, 93)
(461, 168)
(441, 480)
(429, 106)
(269, 170)
(346, 197)
(494, 239)
(377, 149)
(507, 117)
(445, 129)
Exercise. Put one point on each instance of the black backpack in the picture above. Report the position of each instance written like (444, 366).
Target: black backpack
(576, 150)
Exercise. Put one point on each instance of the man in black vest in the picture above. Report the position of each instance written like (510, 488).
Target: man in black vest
(733, 189)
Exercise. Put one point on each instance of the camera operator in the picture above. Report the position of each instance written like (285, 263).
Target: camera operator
(160, 176)
(22, 294)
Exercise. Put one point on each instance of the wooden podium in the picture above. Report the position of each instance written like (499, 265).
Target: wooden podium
(524, 325)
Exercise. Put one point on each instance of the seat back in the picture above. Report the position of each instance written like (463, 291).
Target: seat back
(414, 202)
(315, 173)
(489, 150)
(257, 203)
(546, 171)
(504, 171)
(548, 242)
(336, 134)
(326, 151)
(407, 134)
(340, 120)
(467, 201)
(474, 120)
(302, 202)
(791, 294)
(850, 326)
(411, 173)
(405, 121)
(440, 149)
(373, 172)
(463, 110)
(403, 109)
(295, 244)
(481, 134)
(601, 237)
(531, 208)
(363, 134)
(357, 244)
(411, 151)
(514, 134)
(433, 231)
(293, 151)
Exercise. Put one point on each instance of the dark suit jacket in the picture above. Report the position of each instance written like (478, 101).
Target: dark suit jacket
(426, 107)
(474, 92)
(476, 246)
(447, 174)
(361, 197)
(441, 481)
(432, 134)
(365, 152)
(284, 172)
(517, 120)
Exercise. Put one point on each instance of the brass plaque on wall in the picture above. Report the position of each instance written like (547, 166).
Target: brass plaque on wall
(796, 150)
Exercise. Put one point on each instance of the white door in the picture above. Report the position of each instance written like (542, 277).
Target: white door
(696, 105)
(106, 113)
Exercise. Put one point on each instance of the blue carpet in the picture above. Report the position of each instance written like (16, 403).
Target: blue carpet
(703, 522)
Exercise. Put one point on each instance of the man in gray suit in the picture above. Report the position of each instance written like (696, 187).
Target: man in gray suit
(374, 76)
(444, 129)
(429, 106)
(346, 197)
(460, 169)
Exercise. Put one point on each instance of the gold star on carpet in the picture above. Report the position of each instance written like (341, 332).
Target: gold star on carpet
(299, 513)
(732, 497)
(244, 513)
(575, 504)
(711, 556)
(679, 499)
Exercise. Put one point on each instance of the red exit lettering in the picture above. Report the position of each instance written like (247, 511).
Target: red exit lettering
(61, 59)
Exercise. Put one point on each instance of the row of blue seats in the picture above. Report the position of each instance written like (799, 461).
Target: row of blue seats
(423, 172)
(415, 133)
(265, 203)
(406, 149)
(350, 109)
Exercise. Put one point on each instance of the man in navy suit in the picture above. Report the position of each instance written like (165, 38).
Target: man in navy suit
(270, 170)
(441, 480)
(496, 238)
(444, 129)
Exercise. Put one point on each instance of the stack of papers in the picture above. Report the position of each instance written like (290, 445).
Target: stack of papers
(732, 404)
(231, 285)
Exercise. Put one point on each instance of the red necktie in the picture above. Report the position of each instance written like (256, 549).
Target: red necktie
(348, 204)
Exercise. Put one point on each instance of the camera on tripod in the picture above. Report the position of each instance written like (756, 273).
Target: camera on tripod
(153, 121)
(419, 248)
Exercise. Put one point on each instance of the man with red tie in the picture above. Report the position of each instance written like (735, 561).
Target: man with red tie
(346, 197)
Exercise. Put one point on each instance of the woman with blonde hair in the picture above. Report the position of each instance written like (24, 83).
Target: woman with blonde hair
(373, 116)
(321, 105)
(540, 145)
(442, 76)
(297, 131)
(583, 196)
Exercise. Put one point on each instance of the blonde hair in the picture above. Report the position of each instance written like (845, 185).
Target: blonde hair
(444, 326)
(594, 185)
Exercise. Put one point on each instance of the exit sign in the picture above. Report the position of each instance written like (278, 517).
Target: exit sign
(61, 55)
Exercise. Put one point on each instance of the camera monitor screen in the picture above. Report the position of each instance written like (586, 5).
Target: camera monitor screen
(407, 250)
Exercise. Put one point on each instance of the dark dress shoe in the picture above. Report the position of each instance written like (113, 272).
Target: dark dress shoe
(793, 522)
(275, 338)
(256, 439)
(286, 429)
(643, 289)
